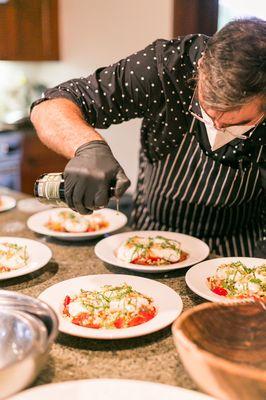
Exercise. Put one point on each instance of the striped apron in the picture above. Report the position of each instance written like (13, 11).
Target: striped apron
(189, 192)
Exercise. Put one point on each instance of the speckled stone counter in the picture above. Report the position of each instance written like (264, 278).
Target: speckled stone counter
(151, 358)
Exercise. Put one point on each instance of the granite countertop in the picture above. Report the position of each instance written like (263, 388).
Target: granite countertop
(151, 358)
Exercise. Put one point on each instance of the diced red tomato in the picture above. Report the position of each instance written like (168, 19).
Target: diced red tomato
(183, 256)
(83, 319)
(147, 315)
(4, 269)
(93, 326)
(156, 260)
(136, 321)
(67, 301)
(220, 291)
(91, 230)
(142, 261)
(101, 225)
(142, 317)
(119, 323)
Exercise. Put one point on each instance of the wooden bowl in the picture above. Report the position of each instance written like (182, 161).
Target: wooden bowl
(223, 348)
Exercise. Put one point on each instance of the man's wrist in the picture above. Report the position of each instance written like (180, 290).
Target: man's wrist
(93, 138)
(90, 145)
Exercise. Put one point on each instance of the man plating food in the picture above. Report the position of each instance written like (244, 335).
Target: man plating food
(202, 157)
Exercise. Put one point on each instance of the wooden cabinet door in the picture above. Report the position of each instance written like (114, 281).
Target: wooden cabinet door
(37, 159)
(29, 30)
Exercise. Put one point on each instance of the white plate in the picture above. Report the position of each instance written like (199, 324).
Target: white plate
(196, 277)
(168, 303)
(196, 249)
(37, 222)
(109, 389)
(8, 202)
(39, 255)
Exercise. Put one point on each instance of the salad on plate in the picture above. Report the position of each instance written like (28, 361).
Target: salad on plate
(111, 307)
(236, 280)
(153, 251)
(72, 222)
(12, 256)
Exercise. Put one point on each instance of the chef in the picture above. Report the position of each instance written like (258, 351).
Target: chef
(202, 157)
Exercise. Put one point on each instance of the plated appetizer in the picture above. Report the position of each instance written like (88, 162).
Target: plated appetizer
(12, 256)
(236, 280)
(72, 222)
(6, 202)
(157, 250)
(112, 307)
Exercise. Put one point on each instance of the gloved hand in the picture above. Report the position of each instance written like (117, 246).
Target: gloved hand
(90, 175)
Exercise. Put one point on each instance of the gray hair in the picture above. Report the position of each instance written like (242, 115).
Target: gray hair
(233, 67)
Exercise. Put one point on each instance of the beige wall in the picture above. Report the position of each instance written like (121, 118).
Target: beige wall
(99, 32)
(95, 33)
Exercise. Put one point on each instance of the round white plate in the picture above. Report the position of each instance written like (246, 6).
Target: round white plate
(39, 255)
(8, 202)
(109, 389)
(196, 277)
(196, 249)
(168, 303)
(37, 224)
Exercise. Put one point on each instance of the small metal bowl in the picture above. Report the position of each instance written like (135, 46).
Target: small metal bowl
(23, 341)
(34, 307)
(28, 327)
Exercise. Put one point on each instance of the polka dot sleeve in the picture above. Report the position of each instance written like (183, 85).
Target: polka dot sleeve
(117, 93)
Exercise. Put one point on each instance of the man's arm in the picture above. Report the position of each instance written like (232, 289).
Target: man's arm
(66, 116)
(61, 126)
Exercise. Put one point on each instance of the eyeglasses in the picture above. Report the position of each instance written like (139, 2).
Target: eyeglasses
(211, 124)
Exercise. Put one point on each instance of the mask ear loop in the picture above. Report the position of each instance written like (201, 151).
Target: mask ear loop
(192, 125)
(189, 110)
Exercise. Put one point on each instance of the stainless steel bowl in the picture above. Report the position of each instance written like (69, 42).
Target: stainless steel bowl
(32, 306)
(28, 327)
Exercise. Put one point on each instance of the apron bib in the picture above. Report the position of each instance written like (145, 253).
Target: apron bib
(192, 193)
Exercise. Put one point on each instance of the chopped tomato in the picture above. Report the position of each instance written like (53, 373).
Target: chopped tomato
(93, 326)
(157, 260)
(147, 315)
(142, 317)
(147, 261)
(220, 291)
(183, 256)
(90, 230)
(119, 323)
(136, 321)
(67, 301)
(83, 319)
(4, 269)
(55, 226)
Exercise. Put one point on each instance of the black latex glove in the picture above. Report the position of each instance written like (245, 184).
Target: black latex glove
(90, 175)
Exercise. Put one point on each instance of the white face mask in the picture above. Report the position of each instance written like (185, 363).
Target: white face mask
(220, 137)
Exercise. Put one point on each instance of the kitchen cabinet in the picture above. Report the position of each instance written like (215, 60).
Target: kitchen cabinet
(198, 16)
(10, 159)
(37, 159)
(29, 30)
